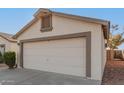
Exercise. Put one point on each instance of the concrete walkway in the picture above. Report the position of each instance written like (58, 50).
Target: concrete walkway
(34, 77)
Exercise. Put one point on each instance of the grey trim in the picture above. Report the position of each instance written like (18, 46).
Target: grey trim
(77, 17)
(46, 29)
(88, 55)
(82, 18)
(21, 55)
(75, 35)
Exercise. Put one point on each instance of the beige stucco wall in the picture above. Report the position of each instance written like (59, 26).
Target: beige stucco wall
(7, 44)
(63, 26)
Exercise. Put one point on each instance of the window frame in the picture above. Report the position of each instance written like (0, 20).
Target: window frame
(49, 28)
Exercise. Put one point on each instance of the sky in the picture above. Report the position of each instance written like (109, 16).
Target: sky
(13, 19)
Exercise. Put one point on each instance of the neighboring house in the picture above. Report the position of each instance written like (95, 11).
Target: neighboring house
(7, 43)
(64, 43)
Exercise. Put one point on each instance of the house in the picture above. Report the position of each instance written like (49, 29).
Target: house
(7, 43)
(64, 43)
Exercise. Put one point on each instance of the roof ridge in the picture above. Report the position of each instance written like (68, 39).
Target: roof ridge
(6, 33)
(7, 36)
(105, 23)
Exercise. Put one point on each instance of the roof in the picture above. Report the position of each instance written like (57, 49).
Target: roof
(7, 36)
(105, 24)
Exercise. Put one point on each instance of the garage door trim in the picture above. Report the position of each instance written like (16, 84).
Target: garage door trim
(87, 35)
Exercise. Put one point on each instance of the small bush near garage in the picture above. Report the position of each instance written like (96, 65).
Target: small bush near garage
(10, 58)
(1, 58)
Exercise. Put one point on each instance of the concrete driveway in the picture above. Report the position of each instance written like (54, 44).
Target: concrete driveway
(34, 77)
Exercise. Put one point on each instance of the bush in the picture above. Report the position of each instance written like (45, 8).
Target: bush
(1, 58)
(10, 58)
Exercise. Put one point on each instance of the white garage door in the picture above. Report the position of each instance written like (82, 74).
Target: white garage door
(67, 56)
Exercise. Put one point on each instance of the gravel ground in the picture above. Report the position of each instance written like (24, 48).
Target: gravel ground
(114, 73)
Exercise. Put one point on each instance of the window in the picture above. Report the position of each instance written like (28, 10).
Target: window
(2, 48)
(46, 23)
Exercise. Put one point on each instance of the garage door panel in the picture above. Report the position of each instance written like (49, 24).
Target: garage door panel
(57, 61)
(54, 52)
(46, 47)
(59, 69)
(57, 44)
(66, 56)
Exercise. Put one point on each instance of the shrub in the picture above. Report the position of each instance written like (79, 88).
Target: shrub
(1, 58)
(10, 58)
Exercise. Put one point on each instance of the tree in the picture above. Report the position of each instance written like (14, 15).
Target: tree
(114, 40)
